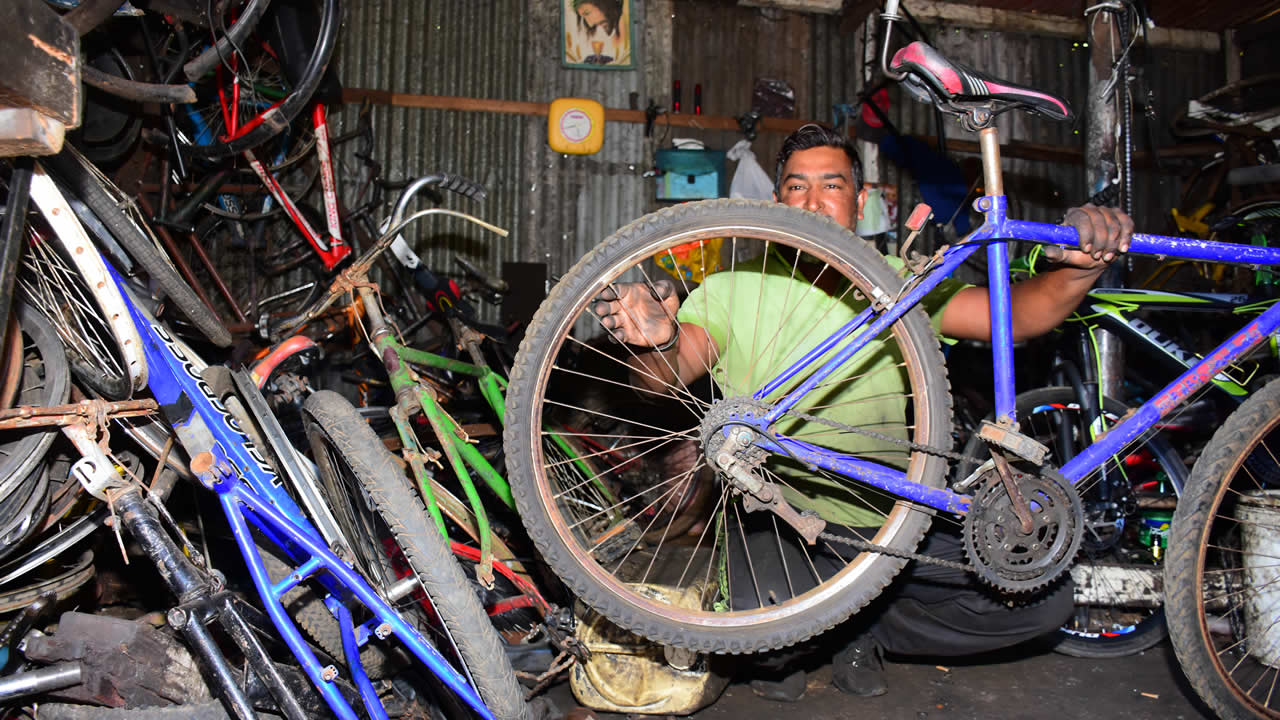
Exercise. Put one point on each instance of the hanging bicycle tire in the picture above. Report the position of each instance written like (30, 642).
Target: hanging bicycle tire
(700, 590)
(254, 91)
(1220, 574)
(1121, 551)
(374, 504)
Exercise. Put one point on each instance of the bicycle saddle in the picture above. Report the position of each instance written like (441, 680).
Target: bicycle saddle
(932, 77)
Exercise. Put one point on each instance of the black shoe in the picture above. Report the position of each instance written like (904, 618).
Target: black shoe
(858, 669)
(789, 688)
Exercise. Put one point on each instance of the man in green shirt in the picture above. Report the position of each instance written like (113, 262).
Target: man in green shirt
(930, 610)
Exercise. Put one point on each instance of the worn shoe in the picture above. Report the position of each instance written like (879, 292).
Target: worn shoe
(858, 669)
(789, 688)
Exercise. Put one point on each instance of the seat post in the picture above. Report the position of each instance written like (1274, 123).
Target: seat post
(989, 143)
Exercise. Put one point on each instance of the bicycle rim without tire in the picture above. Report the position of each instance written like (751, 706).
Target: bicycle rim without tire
(65, 279)
(1221, 576)
(703, 589)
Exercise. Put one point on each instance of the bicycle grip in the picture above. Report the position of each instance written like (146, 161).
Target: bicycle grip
(462, 186)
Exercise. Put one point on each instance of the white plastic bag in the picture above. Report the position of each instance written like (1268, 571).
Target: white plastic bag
(749, 180)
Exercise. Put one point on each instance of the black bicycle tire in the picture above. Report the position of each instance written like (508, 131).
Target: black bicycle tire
(309, 611)
(1151, 630)
(278, 119)
(63, 585)
(1189, 539)
(32, 448)
(140, 248)
(442, 579)
(536, 356)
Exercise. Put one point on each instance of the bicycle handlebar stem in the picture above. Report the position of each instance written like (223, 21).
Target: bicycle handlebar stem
(890, 16)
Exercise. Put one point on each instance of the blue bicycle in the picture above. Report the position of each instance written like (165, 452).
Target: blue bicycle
(362, 569)
(823, 406)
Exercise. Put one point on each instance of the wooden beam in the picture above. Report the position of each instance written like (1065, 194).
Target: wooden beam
(985, 18)
(1021, 150)
(824, 7)
(515, 107)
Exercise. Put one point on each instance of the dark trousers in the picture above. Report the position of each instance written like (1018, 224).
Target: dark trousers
(928, 610)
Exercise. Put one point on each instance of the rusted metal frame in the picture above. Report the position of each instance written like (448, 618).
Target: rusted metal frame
(85, 411)
(186, 269)
(13, 363)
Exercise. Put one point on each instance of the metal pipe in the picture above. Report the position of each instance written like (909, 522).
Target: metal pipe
(992, 177)
(42, 680)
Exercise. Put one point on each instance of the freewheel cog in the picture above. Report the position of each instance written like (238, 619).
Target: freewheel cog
(1002, 554)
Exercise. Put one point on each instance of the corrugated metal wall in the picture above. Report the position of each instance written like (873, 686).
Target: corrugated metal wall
(558, 207)
(441, 47)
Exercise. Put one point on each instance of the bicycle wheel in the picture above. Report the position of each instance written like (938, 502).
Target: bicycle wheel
(737, 581)
(255, 92)
(51, 284)
(44, 382)
(1126, 504)
(1221, 573)
(106, 201)
(378, 510)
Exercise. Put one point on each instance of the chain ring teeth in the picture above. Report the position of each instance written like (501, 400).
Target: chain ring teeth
(1001, 555)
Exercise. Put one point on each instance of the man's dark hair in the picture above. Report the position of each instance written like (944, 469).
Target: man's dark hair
(812, 136)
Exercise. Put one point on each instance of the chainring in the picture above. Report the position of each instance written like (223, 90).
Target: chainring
(1013, 561)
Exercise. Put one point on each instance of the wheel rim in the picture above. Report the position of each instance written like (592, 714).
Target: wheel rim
(705, 598)
(54, 288)
(1236, 600)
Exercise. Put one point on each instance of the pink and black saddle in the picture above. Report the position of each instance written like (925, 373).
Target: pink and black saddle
(935, 78)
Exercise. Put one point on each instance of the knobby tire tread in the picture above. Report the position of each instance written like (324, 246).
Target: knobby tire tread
(1188, 543)
(425, 549)
(560, 303)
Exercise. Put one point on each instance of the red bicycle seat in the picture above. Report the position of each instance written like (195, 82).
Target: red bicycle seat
(952, 81)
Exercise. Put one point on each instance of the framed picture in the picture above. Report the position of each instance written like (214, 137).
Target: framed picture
(597, 34)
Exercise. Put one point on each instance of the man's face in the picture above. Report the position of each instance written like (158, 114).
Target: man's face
(820, 180)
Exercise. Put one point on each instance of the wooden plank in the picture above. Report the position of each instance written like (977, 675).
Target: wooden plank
(824, 7)
(1071, 26)
(26, 131)
(516, 107)
(42, 61)
(1021, 150)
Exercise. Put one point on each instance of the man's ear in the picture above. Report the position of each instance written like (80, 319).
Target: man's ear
(862, 200)
(775, 196)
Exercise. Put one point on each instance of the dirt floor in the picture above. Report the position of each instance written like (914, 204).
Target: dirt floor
(1023, 683)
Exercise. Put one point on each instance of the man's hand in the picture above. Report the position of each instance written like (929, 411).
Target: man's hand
(1104, 234)
(640, 314)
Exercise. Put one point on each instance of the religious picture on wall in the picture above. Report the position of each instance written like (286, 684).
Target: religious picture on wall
(597, 34)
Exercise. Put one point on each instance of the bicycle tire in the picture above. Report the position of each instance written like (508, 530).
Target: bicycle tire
(63, 585)
(1208, 589)
(46, 381)
(72, 169)
(627, 597)
(279, 116)
(1118, 638)
(308, 609)
(332, 421)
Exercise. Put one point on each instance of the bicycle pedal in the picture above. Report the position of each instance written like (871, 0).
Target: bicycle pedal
(1015, 442)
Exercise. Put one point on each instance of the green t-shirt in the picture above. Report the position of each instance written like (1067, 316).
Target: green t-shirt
(779, 317)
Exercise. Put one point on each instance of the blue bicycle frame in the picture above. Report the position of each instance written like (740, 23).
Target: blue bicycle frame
(250, 492)
(994, 234)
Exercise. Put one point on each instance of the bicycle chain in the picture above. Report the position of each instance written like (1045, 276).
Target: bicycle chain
(865, 546)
